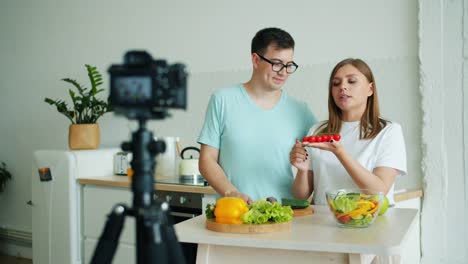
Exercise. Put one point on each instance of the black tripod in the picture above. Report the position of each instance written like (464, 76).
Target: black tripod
(156, 241)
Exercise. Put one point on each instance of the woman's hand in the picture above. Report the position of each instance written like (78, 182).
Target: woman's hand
(333, 146)
(298, 157)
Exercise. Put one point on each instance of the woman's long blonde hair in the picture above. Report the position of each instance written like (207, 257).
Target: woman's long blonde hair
(371, 123)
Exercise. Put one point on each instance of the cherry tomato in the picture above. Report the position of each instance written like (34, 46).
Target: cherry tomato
(312, 139)
(318, 139)
(344, 219)
(305, 139)
(336, 137)
(326, 138)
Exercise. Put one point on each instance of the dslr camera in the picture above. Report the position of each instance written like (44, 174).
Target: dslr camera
(144, 88)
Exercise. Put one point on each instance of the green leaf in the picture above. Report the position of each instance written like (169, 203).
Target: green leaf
(209, 211)
(78, 86)
(5, 176)
(49, 101)
(262, 211)
(86, 107)
(344, 203)
(94, 77)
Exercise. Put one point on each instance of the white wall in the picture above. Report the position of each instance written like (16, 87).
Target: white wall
(44, 41)
(444, 87)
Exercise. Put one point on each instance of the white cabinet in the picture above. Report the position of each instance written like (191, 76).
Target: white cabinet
(125, 253)
(57, 201)
(98, 202)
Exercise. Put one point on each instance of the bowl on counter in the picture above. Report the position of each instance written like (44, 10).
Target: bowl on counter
(355, 208)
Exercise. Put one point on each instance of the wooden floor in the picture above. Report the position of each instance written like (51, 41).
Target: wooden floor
(14, 260)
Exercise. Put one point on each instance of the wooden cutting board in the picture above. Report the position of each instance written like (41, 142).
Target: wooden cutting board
(248, 229)
(301, 212)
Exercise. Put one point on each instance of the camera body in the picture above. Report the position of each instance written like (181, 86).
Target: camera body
(143, 88)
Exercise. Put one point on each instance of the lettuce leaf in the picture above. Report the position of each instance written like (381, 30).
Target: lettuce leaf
(343, 204)
(281, 214)
(262, 211)
(254, 217)
(209, 211)
(361, 222)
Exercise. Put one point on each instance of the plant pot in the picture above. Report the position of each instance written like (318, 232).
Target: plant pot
(84, 136)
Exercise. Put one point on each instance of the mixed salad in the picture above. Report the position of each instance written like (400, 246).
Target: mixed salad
(354, 209)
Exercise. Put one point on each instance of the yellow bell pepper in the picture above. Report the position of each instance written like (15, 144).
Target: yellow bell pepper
(364, 204)
(229, 210)
(363, 208)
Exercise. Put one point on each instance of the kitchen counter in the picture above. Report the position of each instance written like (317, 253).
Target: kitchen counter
(312, 238)
(123, 182)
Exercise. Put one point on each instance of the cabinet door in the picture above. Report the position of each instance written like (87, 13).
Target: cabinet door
(411, 253)
(98, 202)
(125, 253)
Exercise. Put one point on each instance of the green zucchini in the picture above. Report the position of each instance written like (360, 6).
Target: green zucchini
(295, 203)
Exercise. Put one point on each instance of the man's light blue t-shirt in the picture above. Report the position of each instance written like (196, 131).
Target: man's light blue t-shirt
(254, 144)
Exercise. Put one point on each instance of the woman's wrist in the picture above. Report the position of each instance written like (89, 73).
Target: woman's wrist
(302, 173)
(339, 152)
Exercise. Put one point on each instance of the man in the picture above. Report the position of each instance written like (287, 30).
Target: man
(250, 128)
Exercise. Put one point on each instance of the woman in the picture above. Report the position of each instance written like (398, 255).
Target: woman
(371, 152)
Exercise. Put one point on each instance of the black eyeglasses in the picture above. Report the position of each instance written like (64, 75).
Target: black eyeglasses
(278, 66)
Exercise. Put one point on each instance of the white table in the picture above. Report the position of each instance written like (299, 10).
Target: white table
(313, 239)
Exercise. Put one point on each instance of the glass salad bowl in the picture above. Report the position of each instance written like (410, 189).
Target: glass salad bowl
(354, 207)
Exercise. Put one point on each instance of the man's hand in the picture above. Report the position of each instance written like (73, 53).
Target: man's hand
(235, 193)
(298, 157)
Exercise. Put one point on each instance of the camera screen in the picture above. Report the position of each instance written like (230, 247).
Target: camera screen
(135, 89)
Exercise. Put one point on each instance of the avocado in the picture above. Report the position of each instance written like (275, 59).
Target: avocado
(271, 200)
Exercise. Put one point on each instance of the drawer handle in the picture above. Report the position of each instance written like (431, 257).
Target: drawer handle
(182, 214)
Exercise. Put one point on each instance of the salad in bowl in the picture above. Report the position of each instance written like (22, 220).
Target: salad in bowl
(354, 208)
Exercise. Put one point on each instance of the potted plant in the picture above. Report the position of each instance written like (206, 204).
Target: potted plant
(86, 110)
(5, 176)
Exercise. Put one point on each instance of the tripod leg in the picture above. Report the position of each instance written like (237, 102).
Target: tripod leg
(159, 241)
(108, 241)
(175, 249)
(155, 249)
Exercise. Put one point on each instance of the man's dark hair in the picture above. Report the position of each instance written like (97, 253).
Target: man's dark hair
(267, 36)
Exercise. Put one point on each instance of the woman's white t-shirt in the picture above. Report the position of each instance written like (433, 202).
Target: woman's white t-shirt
(387, 149)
